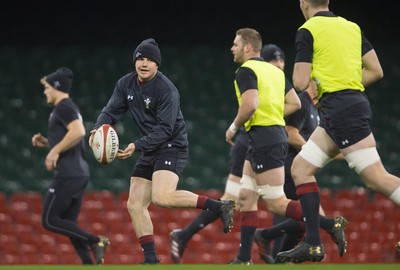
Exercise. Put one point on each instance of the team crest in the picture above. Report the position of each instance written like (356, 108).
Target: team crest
(147, 101)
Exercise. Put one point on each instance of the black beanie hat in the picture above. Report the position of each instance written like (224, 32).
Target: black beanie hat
(148, 48)
(61, 79)
(272, 52)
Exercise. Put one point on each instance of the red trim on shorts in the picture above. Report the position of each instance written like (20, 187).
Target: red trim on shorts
(249, 218)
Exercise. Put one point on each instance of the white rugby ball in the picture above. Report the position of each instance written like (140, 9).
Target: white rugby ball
(105, 144)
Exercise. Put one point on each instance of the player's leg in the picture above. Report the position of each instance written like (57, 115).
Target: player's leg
(81, 246)
(278, 241)
(237, 157)
(61, 208)
(138, 202)
(315, 154)
(180, 237)
(164, 194)
(82, 249)
(248, 199)
(232, 188)
(364, 159)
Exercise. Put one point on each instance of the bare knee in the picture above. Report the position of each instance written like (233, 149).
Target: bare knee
(248, 200)
(134, 206)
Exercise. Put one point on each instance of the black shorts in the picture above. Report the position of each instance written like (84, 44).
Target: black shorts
(237, 154)
(170, 159)
(268, 157)
(349, 125)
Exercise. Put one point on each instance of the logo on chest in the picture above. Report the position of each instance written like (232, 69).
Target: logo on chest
(147, 102)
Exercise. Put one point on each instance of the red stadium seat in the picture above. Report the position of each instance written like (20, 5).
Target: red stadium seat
(11, 248)
(48, 258)
(70, 259)
(11, 259)
(33, 199)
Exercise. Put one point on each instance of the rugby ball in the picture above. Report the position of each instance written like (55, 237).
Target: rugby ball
(105, 144)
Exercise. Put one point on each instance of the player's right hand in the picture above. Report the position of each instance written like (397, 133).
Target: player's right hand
(92, 132)
(39, 140)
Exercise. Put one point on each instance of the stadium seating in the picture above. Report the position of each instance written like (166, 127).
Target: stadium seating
(371, 234)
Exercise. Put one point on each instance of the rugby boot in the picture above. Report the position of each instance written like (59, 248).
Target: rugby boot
(338, 235)
(177, 246)
(264, 247)
(99, 249)
(227, 213)
(301, 253)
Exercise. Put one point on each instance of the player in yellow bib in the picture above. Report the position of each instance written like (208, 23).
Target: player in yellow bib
(265, 96)
(335, 54)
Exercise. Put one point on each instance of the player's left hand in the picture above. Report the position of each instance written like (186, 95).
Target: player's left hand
(127, 152)
(229, 135)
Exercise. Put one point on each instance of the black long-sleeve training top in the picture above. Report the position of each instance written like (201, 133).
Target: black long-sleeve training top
(155, 108)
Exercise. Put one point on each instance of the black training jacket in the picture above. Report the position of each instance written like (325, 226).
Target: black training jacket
(155, 108)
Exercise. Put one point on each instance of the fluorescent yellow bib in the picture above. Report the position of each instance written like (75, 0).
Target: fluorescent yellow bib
(271, 93)
(336, 63)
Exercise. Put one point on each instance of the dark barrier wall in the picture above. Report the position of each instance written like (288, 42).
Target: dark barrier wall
(204, 76)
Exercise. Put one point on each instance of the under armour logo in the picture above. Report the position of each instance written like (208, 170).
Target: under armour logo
(345, 142)
(138, 54)
(168, 162)
(129, 97)
(260, 166)
(51, 190)
(169, 145)
(278, 55)
(315, 250)
(57, 84)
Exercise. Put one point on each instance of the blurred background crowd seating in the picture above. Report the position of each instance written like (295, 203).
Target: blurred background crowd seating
(372, 233)
(204, 77)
